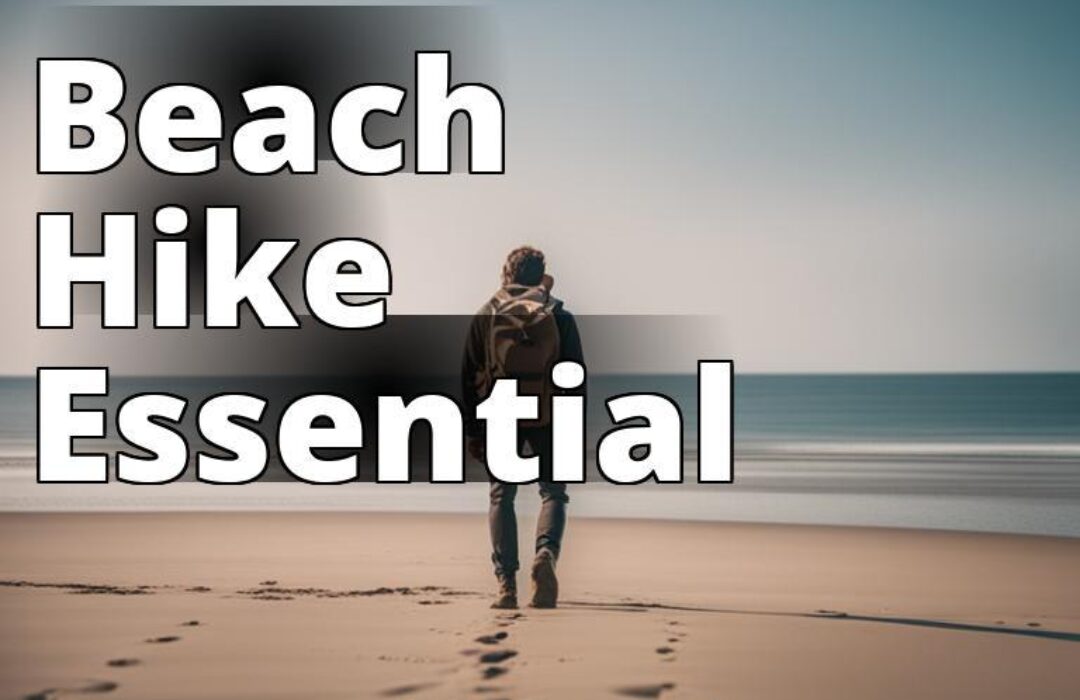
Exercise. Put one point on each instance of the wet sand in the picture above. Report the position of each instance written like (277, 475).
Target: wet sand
(350, 605)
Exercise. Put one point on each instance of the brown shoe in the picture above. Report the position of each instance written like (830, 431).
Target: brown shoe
(545, 585)
(507, 597)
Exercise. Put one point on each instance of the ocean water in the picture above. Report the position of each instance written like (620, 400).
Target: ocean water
(992, 452)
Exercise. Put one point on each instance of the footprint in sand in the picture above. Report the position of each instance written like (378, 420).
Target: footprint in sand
(492, 638)
(190, 623)
(509, 619)
(490, 660)
(497, 657)
(163, 640)
(645, 691)
(406, 689)
(675, 637)
(94, 687)
(122, 663)
(493, 672)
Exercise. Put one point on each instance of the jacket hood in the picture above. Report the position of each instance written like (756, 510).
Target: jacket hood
(524, 300)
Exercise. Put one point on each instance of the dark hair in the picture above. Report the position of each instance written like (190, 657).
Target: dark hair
(524, 265)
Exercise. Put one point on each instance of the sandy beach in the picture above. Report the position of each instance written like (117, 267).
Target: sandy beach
(342, 605)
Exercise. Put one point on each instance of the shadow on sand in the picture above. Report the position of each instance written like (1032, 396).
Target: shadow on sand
(835, 615)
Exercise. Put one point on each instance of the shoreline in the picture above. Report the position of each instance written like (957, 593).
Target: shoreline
(530, 513)
(1034, 514)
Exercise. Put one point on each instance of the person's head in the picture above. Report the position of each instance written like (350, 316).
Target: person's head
(524, 265)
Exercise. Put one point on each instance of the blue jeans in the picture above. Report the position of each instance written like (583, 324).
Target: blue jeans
(502, 519)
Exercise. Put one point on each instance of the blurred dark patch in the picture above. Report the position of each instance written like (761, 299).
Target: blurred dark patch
(325, 50)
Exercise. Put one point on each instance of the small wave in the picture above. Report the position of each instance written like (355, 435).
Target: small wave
(916, 451)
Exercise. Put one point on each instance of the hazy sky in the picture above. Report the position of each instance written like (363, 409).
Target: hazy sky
(840, 186)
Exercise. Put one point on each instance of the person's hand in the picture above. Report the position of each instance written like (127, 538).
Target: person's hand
(476, 448)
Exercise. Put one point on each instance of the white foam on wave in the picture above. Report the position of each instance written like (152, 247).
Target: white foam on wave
(973, 450)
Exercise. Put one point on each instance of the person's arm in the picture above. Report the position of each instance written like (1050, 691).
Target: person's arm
(570, 343)
(473, 362)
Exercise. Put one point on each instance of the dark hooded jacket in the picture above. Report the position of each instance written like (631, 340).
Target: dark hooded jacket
(474, 363)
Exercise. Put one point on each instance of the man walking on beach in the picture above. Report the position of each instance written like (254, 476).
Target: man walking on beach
(520, 333)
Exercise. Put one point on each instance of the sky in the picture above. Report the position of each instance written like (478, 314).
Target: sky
(831, 186)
